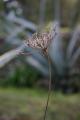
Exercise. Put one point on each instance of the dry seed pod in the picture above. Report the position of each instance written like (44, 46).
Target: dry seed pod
(41, 41)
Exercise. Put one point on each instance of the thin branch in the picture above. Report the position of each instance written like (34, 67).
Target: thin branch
(49, 90)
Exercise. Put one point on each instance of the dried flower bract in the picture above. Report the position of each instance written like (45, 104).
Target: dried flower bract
(41, 41)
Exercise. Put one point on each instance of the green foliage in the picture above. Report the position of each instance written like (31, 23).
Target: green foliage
(22, 77)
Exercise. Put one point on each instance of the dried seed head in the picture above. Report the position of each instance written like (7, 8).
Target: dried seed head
(41, 41)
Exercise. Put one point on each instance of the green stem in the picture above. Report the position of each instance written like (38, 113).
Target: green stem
(49, 90)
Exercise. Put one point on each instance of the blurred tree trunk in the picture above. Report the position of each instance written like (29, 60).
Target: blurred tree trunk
(64, 12)
(30, 9)
(57, 11)
(68, 9)
(42, 11)
(23, 5)
(75, 15)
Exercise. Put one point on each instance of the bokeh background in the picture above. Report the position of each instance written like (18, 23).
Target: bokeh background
(24, 78)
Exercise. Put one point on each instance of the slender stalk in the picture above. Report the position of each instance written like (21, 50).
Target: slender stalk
(49, 90)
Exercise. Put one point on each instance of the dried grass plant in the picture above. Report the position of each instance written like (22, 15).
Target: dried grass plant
(42, 41)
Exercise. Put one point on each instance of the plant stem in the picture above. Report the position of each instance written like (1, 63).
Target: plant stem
(49, 90)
